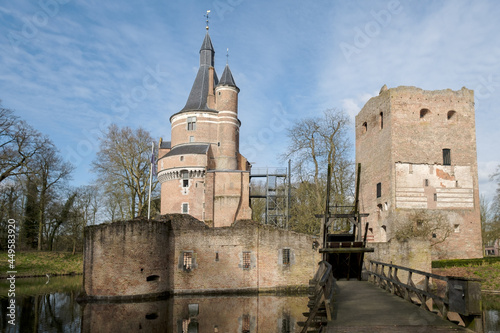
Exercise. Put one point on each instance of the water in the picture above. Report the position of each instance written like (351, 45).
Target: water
(52, 307)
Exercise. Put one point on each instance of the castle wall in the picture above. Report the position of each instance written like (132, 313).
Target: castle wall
(219, 255)
(178, 254)
(126, 258)
(415, 254)
(374, 152)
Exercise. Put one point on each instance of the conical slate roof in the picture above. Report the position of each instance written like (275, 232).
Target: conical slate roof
(227, 78)
(197, 99)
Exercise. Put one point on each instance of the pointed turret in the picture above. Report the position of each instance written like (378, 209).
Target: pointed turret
(197, 99)
(227, 78)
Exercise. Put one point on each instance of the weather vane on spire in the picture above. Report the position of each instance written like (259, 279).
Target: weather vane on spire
(227, 56)
(206, 15)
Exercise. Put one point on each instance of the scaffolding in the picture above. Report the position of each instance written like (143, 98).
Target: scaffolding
(275, 192)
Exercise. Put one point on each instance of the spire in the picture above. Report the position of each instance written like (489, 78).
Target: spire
(227, 78)
(197, 99)
(207, 52)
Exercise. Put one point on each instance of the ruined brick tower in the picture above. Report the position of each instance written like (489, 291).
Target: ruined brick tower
(417, 151)
(201, 170)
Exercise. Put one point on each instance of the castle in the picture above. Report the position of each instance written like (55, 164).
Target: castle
(417, 151)
(203, 242)
(201, 170)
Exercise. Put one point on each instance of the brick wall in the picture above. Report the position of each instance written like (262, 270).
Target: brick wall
(415, 254)
(119, 257)
(126, 258)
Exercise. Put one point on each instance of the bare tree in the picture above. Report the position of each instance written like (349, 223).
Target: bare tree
(123, 166)
(423, 224)
(491, 225)
(48, 171)
(314, 143)
(19, 143)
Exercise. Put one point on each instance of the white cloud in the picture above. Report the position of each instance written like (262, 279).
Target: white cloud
(67, 78)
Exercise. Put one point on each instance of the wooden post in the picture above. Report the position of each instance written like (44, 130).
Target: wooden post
(327, 208)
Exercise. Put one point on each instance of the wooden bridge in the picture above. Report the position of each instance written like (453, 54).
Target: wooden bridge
(385, 304)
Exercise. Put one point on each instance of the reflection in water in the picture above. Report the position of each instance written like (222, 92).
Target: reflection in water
(52, 307)
(42, 307)
(243, 314)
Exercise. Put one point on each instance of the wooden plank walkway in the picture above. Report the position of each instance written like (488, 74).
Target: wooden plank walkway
(363, 307)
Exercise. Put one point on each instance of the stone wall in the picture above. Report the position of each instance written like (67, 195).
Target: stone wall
(219, 255)
(415, 254)
(179, 254)
(126, 258)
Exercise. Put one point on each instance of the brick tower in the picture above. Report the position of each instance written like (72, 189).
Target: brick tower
(201, 170)
(417, 151)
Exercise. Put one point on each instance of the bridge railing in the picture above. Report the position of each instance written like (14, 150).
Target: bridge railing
(321, 292)
(462, 296)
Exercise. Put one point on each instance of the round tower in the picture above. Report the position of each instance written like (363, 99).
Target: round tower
(226, 96)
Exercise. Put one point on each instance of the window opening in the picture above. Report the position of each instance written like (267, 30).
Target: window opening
(216, 256)
(379, 190)
(286, 256)
(191, 123)
(424, 113)
(364, 128)
(451, 115)
(245, 324)
(446, 156)
(435, 197)
(185, 178)
(153, 278)
(191, 138)
(426, 182)
(187, 261)
(457, 227)
(246, 260)
(185, 208)
(380, 209)
(151, 316)
(181, 158)
(381, 120)
(286, 326)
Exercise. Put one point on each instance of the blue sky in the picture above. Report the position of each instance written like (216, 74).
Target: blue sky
(72, 67)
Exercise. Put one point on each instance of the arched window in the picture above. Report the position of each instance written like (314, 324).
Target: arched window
(424, 113)
(364, 128)
(452, 115)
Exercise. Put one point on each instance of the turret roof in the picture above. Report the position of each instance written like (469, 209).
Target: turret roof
(227, 78)
(197, 99)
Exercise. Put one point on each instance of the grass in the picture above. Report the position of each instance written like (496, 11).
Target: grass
(465, 262)
(42, 263)
(486, 270)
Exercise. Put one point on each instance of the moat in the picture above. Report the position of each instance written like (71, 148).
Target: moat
(52, 307)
